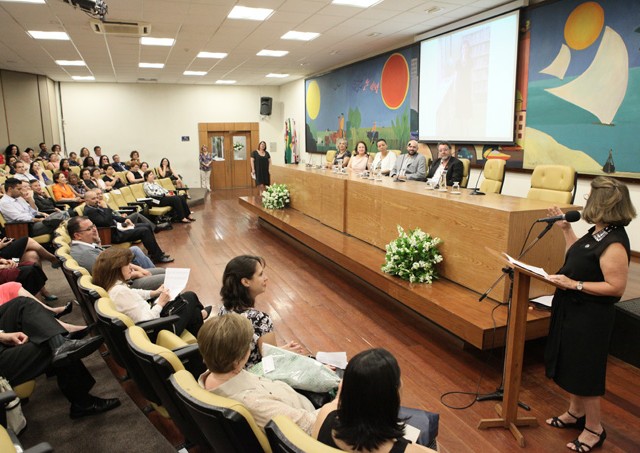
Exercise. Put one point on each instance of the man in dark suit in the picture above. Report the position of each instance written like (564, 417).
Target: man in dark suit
(117, 165)
(445, 163)
(105, 217)
(32, 341)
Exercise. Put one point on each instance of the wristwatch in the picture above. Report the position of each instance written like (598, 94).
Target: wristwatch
(579, 286)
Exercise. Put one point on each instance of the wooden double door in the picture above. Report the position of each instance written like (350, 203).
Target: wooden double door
(231, 145)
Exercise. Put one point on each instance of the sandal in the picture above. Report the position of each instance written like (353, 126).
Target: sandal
(584, 447)
(578, 424)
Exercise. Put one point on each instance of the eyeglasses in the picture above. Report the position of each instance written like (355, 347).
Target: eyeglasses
(88, 229)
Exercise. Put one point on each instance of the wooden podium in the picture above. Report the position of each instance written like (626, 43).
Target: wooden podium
(508, 410)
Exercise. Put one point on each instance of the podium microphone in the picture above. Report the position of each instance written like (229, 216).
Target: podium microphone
(570, 216)
(476, 190)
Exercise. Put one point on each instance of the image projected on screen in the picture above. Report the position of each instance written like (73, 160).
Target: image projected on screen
(467, 83)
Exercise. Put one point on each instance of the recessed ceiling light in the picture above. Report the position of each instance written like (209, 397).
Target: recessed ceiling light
(300, 35)
(356, 3)
(212, 55)
(23, 1)
(147, 41)
(195, 73)
(272, 53)
(55, 35)
(244, 12)
(433, 9)
(277, 76)
(151, 65)
(225, 82)
(77, 77)
(70, 63)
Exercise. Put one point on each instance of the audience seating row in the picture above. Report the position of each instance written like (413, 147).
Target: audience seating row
(164, 367)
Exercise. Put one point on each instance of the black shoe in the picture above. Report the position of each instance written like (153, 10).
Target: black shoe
(50, 297)
(56, 264)
(68, 308)
(97, 406)
(164, 259)
(75, 349)
(80, 334)
(164, 226)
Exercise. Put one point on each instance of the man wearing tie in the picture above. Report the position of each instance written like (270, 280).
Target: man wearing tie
(445, 163)
(104, 217)
(412, 165)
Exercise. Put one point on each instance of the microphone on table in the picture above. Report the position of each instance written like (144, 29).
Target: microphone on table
(475, 190)
(570, 216)
(397, 178)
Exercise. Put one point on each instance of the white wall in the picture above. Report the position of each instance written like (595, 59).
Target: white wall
(153, 118)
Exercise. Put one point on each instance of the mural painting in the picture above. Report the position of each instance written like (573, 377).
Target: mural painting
(376, 98)
(583, 103)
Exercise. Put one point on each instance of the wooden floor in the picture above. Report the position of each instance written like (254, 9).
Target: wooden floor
(325, 311)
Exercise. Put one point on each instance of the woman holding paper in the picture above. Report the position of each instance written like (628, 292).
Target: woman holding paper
(113, 269)
(592, 279)
(366, 416)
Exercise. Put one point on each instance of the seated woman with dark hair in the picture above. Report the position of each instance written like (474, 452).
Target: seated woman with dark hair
(225, 343)
(63, 192)
(112, 270)
(77, 184)
(134, 175)
(243, 280)
(85, 175)
(111, 180)
(180, 208)
(88, 162)
(367, 416)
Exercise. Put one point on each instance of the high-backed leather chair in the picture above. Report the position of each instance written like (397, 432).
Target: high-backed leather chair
(465, 172)
(553, 183)
(225, 423)
(287, 437)
(328, 158)
(158, 362)
(494, 172)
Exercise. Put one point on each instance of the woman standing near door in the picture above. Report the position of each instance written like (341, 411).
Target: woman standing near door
(260, 163)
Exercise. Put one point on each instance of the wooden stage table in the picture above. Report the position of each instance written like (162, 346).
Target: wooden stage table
(468, 225)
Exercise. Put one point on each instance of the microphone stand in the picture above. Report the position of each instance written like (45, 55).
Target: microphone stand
(498, 394)
(476, 191)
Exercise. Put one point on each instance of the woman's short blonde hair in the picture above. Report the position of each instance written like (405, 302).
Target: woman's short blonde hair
(609, 203)
(340, 140)
(224, 341)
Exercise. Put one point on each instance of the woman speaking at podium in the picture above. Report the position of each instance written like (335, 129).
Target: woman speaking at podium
(591, 281)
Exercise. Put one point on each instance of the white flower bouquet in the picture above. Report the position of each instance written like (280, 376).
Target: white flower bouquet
(276, 196)
(413, 256)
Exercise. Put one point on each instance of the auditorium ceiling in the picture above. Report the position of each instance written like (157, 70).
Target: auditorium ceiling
(346, 34)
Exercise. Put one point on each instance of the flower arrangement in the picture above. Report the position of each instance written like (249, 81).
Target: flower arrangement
(413, 256)
(237, 146)
(276, 196)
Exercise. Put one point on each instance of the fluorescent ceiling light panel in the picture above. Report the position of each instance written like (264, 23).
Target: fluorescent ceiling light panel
(246, 13)
(151, 65)
(272, 53)
(212, 55)
(41, 2)
(356, 3)
(70, 63)
(77, 77)
(53, 35)
(300, 35)
(277, 76)
(147, 41)
(195, 73)
(225, 82)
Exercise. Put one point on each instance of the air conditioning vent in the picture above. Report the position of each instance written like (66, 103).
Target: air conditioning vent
(120, 28)
(147, 80)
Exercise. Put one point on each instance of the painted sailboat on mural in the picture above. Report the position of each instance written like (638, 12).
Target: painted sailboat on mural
(601, 88)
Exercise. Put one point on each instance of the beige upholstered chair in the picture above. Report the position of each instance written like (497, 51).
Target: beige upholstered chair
(494, 171)
(285, 437)
(553, 183)
(331, 154)
(465, 172)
